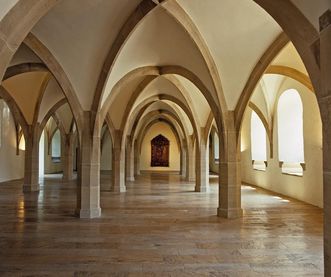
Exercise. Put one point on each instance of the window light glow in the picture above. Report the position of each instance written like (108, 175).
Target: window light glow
(56, 145)
(258, 142)
(290, 127)
(22, 144)
(216, 147)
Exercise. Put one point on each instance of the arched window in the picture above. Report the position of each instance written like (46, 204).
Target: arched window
(216, 147)
(258, 142)
(56, 146)
(290, 132)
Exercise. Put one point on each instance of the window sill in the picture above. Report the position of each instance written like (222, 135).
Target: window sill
(260, 165)
(295, 174)
(293, 169)
(56, 160)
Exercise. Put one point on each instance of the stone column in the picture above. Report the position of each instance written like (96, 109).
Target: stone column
(324, 99)
(183, 160)
(31, 160)
(202, 168)
(67, 157)
(190, 160)
(79, 179)
(136, 159)
(181, 151)
(118, 184)
(229, 169)
(211, 156)
(129, 159)
(90, 171)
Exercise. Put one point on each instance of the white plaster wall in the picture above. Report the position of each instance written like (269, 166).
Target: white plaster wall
(307, 188)
(11, 165)
(106, 153)
(174, 153)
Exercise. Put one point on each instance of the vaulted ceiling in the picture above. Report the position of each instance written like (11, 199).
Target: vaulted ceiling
(120, 56)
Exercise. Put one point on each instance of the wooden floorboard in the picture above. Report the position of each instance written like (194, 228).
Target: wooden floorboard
(159, 227)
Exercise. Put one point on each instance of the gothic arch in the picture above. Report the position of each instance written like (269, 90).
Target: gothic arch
(17, 23)
(150, 122)
(137, 113)
(59, 75)
(51, 112)
(255, 77)
(143, 8)
(164, 70)
(300, 31)
(24, 68)
(15, 110)
(163, 114)
(291, 73)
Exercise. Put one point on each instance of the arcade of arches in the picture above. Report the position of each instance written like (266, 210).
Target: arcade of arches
(193, 135)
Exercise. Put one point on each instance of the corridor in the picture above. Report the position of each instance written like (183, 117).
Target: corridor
(159, 227)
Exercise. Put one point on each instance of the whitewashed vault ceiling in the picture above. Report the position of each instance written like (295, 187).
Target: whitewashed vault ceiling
(80, 33)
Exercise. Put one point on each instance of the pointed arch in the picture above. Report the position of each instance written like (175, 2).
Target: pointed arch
(24, 68)
(291, 73)
(59, 75)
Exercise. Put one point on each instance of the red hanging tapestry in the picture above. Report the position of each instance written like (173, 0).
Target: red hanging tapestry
(160, 151)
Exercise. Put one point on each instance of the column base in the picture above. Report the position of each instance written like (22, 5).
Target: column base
(230, 213)
(130, 179)
(30, 187)
(118, 189)
(89, 213)
(188, 179)
(201, 189)
(67, 179)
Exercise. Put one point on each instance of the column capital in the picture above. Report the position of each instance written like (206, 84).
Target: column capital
(325, 20)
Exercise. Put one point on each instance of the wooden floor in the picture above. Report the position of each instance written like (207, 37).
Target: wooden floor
(159, 227)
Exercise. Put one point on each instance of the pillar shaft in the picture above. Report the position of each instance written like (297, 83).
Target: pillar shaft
(324, 99)
(229, 177)
(67, 157)
(183, 161)
(79, 180)
(90, 171)
(190, 160)
(202, 169)
(118, 184)
(31, 164)
(129, 160)
(136, 159)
